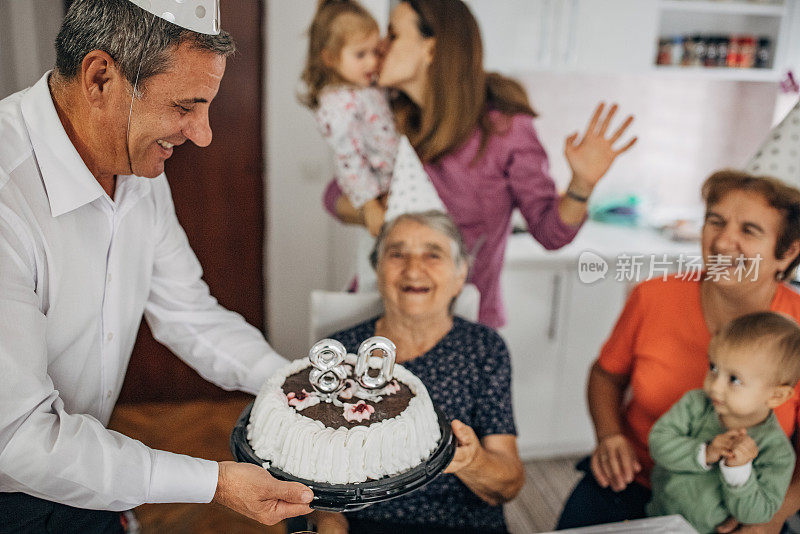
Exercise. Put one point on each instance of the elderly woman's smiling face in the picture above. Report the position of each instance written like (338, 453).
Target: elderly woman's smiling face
(417, 274)
(743, 224)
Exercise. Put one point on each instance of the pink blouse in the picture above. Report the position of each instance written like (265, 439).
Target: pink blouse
(512, 172)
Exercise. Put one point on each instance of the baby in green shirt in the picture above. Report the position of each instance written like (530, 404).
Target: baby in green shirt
(720, 454)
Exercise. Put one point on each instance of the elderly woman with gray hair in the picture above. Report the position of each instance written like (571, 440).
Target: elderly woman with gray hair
(421, 264)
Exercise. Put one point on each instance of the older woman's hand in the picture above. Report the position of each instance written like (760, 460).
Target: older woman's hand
(591, 158)
(468, 448)
(614, 462)
(490, 467)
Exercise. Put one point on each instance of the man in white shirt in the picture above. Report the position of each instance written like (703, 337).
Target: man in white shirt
(89, 242)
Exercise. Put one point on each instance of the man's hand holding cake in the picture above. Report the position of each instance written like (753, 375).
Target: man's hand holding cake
(244, 488)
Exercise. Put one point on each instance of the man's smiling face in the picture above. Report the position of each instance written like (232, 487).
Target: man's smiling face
(173, 109)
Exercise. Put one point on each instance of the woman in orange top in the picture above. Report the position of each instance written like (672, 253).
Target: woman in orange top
(657, 350)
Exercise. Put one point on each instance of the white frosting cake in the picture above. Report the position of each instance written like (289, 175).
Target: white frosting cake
(304, 447)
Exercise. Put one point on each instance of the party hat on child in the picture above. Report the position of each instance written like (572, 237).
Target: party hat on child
(411, 189)
(779, 154)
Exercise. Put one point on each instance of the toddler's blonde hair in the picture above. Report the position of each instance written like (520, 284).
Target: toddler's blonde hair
(334, 22)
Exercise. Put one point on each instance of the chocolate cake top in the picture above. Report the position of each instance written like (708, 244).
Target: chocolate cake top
(332, 416)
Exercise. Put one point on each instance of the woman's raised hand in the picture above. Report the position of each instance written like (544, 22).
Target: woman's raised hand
(591, 158)
(614, 462)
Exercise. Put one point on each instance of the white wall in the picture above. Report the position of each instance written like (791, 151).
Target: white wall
(306, 248)
(687, 128)
(27, 31)
(786, 101)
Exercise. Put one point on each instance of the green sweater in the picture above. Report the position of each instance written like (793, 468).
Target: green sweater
(682, 486)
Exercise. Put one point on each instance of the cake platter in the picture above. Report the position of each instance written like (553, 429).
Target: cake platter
(352, 497)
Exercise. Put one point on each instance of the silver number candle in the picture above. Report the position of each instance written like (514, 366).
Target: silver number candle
(365, 352)
(328, 374)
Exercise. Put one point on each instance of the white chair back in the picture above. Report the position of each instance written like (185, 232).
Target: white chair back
(332, 311)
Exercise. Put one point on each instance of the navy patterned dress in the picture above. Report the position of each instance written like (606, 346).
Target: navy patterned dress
(468, 376)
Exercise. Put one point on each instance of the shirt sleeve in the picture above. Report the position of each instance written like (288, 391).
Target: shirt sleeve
(737, 475)
(341, 122)
(618, 353)
(59, 456)
(493, 412)
(534, 191)
(218, 343)
(672, 445)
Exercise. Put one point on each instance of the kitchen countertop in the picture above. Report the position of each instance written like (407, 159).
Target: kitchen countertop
(606, 240)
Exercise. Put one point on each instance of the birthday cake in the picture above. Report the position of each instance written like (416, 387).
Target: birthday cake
(343, 418)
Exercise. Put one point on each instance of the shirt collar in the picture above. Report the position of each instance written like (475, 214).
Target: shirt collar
(67, 179)
(130, 189)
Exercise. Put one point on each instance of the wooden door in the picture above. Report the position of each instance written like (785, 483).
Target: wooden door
(219, 199)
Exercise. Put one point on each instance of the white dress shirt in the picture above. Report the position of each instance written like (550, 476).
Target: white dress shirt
(77, 271)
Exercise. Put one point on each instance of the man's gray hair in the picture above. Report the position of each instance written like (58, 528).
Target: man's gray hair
(435, 220)
(128, 34)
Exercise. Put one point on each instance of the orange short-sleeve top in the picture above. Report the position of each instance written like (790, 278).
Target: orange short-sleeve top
(661, 342)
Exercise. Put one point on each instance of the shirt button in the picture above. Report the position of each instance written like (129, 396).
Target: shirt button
(109, 336)
(108, 278)
(108, 394)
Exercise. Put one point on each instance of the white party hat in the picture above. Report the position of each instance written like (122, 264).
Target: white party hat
(411, 189)
(779, 154)
(201, 16)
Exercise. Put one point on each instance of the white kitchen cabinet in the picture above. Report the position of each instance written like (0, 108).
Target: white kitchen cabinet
(590, 312)
(614, 36)
(587, 35)
(512, 33)
(555, 329)
(521, 36)
(534, 304)
(557, 325)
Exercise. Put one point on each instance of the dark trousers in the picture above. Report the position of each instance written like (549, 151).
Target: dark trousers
(24, 514)
(590, 504)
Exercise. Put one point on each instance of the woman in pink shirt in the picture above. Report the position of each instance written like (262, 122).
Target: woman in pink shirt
(474, 132)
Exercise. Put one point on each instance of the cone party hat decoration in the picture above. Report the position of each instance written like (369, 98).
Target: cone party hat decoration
(779, 155)
(411, 189)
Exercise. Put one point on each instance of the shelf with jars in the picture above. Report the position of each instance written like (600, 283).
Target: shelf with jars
(730, 39)
(725, 39)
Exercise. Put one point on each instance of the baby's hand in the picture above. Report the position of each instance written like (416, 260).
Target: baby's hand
(743, 450)
(720, 446)
(374, 213)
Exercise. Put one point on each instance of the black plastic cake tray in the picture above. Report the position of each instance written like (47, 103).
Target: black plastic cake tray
(352, 497)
